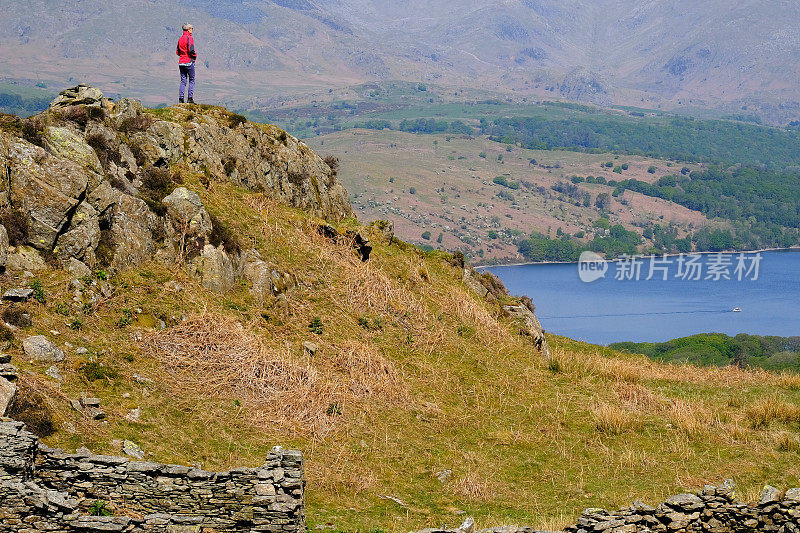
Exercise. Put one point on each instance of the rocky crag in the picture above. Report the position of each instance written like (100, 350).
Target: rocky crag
(88, 182)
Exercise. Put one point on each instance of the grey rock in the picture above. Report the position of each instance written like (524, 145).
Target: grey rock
(8, 392)
(25, 259)
(48, 188)
(217, 269)
(77, 269)
(310, 348)
(187, 212)
(102, 197)
(5, 358)
(259, 274)
(792, 495)
(769, 495)
(132, 232)
(467, 526)
(686, 501)
(54, 373)
(444, 475)
(125, 108)
(134, 415)
(80, 95)
(21, 294)
(4, 244)
(94, 413)
(90, 402)
(132, 449)
(39, 348)
(472, 281)
(142, 380)
(81, 236)
(67, 144)
(81, 350)
(529, 325)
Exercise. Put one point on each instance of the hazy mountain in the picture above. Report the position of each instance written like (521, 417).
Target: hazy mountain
(703, 54)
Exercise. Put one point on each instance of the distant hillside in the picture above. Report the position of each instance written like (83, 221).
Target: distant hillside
(717, 349)
(739, 56)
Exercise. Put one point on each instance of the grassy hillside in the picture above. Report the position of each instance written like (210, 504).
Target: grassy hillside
(415, 380)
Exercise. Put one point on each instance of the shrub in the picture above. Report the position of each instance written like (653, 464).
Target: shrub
(16, 316)
(106, 248)
(137, 123)
(315, 326)
(234, 120)
(31, 407)
(104, 151)
(157, 183)
(99, 508)
(16, 224)
(6, 334)
(32, 130)
(493, 284)
(333, 162)
(94, 371)
(38, 291)
(222, 234)
(229, 165)
(426, 235)
(76, 114)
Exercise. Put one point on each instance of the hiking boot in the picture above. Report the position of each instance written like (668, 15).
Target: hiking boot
(191, 100)
(180, 100)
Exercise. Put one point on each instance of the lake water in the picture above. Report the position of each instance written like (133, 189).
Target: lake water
(611, 310)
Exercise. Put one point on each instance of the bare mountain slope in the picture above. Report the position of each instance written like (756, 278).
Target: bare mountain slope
(705, 54)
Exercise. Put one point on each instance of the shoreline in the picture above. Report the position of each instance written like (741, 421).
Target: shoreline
(526, 263)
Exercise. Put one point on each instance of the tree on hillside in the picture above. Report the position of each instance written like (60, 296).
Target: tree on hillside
(603, 201)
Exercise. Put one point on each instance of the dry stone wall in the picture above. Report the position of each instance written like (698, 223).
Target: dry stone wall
(44, 489)
(714, 509)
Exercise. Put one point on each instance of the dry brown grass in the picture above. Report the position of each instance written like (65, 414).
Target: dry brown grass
(472, 486)
(220, 357)
(772, 410)
(609, 419)
(217, 356)
(789, 381)
(637, 368)
(634, 396)
(787, 442)
(692, 418)
(368, 373)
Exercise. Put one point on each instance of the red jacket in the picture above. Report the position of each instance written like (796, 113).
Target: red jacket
(185, 50)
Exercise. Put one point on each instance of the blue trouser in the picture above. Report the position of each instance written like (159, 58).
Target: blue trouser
(187, 74)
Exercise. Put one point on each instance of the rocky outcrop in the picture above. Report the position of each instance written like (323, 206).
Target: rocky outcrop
(489, 287)
(92, 181)
(44, 489)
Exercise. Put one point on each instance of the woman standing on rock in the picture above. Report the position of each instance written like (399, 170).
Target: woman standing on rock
(186, 59)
